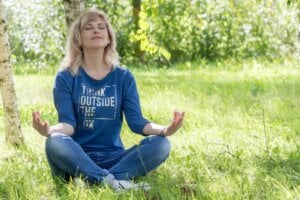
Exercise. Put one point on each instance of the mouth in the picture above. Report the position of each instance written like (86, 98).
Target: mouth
(96, 37)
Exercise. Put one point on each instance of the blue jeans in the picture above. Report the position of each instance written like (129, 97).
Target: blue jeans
(67, 159)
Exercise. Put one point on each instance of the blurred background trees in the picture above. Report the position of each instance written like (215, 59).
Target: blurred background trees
(161, 32)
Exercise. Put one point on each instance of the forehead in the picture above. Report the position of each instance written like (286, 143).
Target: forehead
(92, 17)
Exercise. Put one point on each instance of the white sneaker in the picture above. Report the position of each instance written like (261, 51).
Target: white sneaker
(117, 185)
(124, 185)
(128, 185)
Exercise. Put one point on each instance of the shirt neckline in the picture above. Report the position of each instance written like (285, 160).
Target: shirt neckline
(95, 80)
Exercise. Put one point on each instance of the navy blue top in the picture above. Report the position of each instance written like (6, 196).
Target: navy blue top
(95, 107)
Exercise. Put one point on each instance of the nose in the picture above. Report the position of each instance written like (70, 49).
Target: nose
(96, 30)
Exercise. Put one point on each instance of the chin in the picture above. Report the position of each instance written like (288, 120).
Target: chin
(96, 47)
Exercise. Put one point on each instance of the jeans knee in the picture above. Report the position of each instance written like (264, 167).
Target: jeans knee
(157, 145)
(56, 144)
(165, 145)
(160, 149)
(162, 146)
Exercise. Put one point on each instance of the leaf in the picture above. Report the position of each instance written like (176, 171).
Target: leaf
(144, 26)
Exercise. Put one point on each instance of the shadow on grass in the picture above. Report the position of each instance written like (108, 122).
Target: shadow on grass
(278, 177)
(283, 170)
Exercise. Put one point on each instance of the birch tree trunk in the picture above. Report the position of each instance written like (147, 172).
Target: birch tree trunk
(13, 132)
(73, 8)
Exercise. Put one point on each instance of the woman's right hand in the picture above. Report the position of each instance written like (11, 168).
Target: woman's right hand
(39, 125)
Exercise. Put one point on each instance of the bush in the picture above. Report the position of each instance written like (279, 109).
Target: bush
(188, 30)
(215, 30)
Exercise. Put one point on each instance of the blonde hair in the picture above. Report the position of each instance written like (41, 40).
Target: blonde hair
(74, 52)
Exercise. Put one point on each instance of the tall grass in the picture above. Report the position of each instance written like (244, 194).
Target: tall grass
(240, 139)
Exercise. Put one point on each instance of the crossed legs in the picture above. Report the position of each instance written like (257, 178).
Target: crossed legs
(67, 159)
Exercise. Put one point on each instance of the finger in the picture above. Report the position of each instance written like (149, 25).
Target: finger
(179, 124)
(175, 122)
(36, 123)
(178, 117)
(179, 121)
(182, 114)
(174, 118)
(39, 119)
(36, 116)
(45, 124)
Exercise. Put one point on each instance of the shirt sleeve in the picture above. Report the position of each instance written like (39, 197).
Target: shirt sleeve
(62, 93)
(131, 105)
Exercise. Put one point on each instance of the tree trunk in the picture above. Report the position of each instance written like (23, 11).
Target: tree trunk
(136, 9)
(13, 132)
(73, 8)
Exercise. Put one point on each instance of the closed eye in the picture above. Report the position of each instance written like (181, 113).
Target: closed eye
(102, 27)
(88, 27)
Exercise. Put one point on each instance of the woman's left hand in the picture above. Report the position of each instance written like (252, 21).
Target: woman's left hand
(175, 125)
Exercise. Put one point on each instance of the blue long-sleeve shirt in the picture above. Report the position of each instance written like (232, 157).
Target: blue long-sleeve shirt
(95, 107)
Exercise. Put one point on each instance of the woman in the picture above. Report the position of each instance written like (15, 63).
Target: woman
(91, 94)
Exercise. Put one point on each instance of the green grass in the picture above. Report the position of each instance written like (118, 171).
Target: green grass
(240, 138)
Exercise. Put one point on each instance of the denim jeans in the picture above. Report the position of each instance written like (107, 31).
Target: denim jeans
(67, 159)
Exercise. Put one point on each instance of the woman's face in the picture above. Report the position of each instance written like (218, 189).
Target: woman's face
(95, 34)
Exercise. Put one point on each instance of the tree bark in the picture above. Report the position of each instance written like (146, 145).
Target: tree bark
(13, 132)
(136, 5)
(73, 8)
(136, 9)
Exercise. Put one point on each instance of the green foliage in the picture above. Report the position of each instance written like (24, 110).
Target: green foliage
(168, 31)
(37, 32)
(149, 9)
(216, 30)
(240, 138)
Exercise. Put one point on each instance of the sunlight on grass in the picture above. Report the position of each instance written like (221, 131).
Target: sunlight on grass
(240, 138)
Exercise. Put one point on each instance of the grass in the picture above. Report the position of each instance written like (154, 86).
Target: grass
(240, 139)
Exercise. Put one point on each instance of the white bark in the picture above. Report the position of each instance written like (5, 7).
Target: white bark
(13, 132)
(73, 8)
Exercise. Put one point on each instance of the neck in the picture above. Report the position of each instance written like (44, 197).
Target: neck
(94, 63)
(94, 60)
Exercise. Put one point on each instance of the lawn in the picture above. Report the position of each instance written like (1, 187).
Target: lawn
(240, 139)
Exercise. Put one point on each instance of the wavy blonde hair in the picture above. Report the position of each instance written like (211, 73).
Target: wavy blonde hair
(74, 53)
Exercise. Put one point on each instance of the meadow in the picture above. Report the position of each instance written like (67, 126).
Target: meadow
(240, 139)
